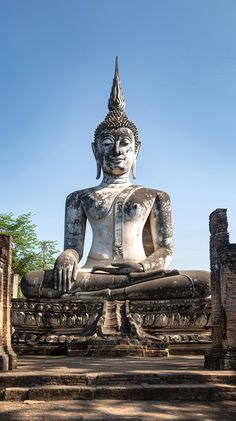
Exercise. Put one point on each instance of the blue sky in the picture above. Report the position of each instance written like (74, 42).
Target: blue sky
(178, 72)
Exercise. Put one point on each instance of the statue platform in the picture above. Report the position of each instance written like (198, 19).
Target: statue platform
(111, 328)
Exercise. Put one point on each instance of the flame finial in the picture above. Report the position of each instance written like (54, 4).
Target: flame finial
(116, 100)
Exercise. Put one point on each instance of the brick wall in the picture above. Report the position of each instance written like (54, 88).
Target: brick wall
(223, 290)
(7, 356)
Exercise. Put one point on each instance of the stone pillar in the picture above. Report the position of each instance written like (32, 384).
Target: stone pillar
(223, 290)
(8, 359)
(3, 355)
(14, 285)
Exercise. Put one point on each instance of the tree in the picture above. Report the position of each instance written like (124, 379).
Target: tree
(28, 253)
(46, 257)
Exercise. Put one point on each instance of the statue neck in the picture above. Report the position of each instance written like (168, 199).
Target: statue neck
(115, 180)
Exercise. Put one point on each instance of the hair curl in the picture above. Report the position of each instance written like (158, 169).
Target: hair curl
(114, 120)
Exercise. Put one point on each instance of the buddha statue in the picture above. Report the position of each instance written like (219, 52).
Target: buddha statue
(132, 230)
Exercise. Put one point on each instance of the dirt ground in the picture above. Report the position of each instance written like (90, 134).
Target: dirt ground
(113, 409)
(117, 410)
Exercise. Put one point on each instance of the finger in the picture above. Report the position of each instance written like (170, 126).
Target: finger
(120, 271)
(74, 271)
(124, 271)
(125, 264)
(64, 273)
(131, 267)
(101, 269)
(69, 277)
(137, 267)
(59, 280)
(119, 265)
(104, 269)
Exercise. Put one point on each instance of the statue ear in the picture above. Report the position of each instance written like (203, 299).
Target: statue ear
(133, 168)
(137, 149)
(97, 161)
(94, 150)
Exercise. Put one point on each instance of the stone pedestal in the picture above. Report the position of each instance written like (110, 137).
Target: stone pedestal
(7, 356)
(223, 287)
(111, 327)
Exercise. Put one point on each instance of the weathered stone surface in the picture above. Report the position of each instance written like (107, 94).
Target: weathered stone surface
(125, 390)
(14, 285)
(7, 356)
(126, 270)
(111, 328)
(223, 280)
(132, 243)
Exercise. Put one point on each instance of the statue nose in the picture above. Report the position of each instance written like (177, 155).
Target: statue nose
(117, 148)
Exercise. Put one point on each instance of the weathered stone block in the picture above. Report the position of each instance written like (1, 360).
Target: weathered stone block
(111, 328)
(223, 289)
(7, 356)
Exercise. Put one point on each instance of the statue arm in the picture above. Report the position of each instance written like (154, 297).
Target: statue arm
(66, 265)
(161, 232)
(75, 224)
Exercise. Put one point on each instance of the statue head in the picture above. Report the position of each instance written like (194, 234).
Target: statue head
(116, 143)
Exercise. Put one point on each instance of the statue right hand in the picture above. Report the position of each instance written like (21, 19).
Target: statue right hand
(65, 270)
(120, 268)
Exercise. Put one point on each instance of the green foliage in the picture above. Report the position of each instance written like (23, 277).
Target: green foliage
(28, 253)
(46, 256)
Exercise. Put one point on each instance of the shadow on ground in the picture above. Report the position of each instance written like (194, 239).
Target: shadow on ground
(117, 411)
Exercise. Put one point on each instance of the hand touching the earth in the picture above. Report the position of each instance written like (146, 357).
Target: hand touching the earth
(65, 270)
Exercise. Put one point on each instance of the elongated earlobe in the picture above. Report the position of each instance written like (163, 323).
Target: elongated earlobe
(97, 161)
(133, 169)
(98, 171)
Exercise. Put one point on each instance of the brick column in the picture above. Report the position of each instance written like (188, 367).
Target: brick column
(3, 355)
(223, 290)
(14, 285)
(8, 359)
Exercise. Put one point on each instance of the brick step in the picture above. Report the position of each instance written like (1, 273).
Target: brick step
(104, 350)
(117, 353)
(142, 391)
(17, 380)
(116, 348)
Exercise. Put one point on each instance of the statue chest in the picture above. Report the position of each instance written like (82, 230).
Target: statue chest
(131, 204)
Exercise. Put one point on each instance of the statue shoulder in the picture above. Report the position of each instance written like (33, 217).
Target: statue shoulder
(158, 194)
(78, 195)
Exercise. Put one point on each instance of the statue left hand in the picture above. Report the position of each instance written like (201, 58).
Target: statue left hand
(120, 268)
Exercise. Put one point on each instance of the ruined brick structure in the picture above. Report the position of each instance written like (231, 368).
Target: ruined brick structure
(223, 286)
(7, 356)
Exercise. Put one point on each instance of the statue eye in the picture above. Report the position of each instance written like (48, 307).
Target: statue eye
(126, 141)
(107, 141)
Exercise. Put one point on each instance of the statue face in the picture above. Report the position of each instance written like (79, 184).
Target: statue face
(116, 151)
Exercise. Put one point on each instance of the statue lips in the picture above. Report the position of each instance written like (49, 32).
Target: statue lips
(117, 160)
